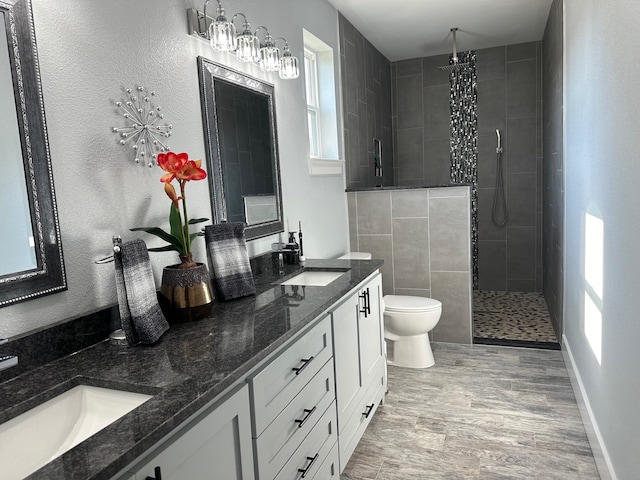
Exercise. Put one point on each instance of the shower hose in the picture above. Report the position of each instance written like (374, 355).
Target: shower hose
(499, 199)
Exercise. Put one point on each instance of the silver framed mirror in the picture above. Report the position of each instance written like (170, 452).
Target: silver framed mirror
(239, 121)
(31, 261)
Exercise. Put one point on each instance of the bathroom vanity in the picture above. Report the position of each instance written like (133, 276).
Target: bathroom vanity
(280, 385)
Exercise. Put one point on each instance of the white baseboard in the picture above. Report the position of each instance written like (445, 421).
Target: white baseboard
(599, 449)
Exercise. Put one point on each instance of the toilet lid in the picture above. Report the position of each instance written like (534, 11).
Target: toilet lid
(407, 303)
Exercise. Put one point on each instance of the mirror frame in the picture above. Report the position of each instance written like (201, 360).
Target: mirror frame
(208, 73)
(49, 275)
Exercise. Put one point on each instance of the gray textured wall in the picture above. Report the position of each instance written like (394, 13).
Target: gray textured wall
(366, 97)
(553, 166)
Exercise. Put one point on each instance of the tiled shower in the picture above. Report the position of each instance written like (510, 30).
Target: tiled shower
(508, 97)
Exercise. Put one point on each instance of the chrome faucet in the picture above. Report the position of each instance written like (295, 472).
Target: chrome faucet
(7, 361)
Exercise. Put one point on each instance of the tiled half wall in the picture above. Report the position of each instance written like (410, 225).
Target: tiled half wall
(424, 237)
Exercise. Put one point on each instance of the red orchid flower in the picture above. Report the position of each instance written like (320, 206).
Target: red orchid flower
(171, 162)
(191, 171)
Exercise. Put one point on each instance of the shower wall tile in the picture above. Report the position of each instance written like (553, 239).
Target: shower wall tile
(453, 289)
(492, 106)
(486, 229)
(521, 256)
(449, 192)
(522, 145)
(521, 89)
(409, 99)
(492, 265)
(411, 253)
(437, 170)
(521, 199)
(380, 247)
(521, 51)
(408, 67)
(436, 112)
(431, 73)
(410, 203)
(487, 159)
(406, 249)
(517, 285)
(449, 234)
(410, 152)
(491, 63)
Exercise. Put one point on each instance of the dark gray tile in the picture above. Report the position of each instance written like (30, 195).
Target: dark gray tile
(432, 75)
(487, 159)
(437, 112)
(409, 99)
(350, 75)
(409, 67)
(492, 265)
(437, 163)
(520, 285)
(521, 199)
(358, 60)
(410, 153)
(521, 256)
(522, 145)
(492, 106)
(364, 140)
(486, 229)
(491, 63)
(521, 51)
(521, 89)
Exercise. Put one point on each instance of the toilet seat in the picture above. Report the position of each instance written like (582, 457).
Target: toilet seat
(410, 304)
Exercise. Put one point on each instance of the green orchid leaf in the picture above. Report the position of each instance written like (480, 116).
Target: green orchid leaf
(175, 222)
(166, 248)
(197, 220)
(158, 232)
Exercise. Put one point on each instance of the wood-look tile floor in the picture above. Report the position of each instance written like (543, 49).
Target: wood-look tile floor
(482, 412)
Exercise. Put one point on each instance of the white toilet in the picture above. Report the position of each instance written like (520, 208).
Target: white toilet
(407, 323)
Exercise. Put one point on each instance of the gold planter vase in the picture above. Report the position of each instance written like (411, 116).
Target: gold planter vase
(186, 294)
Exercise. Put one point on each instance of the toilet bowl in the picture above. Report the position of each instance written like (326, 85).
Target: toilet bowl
(407, 323)
(356, 256)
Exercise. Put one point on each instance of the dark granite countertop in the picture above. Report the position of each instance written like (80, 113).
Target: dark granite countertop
(189, 367)
(407, 187)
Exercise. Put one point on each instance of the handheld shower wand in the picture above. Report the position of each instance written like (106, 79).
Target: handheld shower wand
(499, 197)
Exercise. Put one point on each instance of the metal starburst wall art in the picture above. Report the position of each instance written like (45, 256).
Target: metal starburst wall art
(142, 130)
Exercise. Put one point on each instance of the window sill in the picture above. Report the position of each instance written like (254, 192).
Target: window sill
(323, 166)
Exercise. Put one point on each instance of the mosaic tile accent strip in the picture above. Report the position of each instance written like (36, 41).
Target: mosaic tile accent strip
(463, 102)
(517, 316)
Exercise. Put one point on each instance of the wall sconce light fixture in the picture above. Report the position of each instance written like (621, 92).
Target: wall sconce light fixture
(221, 33)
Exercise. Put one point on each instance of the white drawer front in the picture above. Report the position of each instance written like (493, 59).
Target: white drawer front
(330, 469)
(274, 387)
(281, 438)
(307, 459)
(352, 430)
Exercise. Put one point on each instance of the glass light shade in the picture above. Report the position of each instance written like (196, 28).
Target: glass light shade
(289, 67)
(269, 58)
(247, 47)
(222, 34)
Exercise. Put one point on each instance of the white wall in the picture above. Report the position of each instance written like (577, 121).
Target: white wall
(89, 51)
(602, 178)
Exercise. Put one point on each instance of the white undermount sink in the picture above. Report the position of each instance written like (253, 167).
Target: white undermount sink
(313, 278)
(33, 439)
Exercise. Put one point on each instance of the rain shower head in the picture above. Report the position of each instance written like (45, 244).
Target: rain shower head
(455, 66)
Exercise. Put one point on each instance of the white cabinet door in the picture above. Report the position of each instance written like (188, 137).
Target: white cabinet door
(215, 446)
(359, 363)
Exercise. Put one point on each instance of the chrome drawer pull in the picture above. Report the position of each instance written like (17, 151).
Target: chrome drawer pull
(306, 417)
(305, 362)
(368, 410)
(304, 471)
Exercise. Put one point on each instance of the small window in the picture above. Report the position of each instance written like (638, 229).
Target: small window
(322, 107)
(313, 103)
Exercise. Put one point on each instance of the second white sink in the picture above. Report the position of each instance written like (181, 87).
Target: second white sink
(313, 278)
(45, 432)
